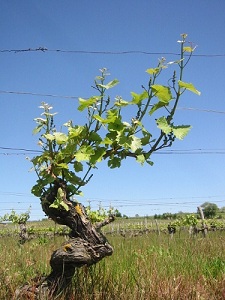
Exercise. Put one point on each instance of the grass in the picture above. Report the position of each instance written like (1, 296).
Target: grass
(142, 267)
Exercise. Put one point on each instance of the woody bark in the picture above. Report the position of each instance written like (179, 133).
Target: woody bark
(86, 246)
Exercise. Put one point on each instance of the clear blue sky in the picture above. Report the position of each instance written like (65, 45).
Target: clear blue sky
(176, 182)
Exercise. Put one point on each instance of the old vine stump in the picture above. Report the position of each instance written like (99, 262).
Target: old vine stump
(86, 246)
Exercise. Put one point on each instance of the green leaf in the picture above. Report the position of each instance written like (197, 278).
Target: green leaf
(78, 166)
(94, 137)
(107, 141)
(100, 119)
(80, 193)
(60, 194)
(141, 159)
(112, 115)
(163, 125)
(71, 189)
(114, 162)
(62, 166)
(37, 129)
(175, 61)
(49, 137)
(151, 163)
(84, 153)
(64, 205)
(76, 131)
(152, 71)
(109, 85)
(46, 179)
(68, 124)
(124, 140)
(72, 178)
(100, 78)
(36, 190)
(111, 136)
(181, 131)
(188, 49)
(146, 138)
(135, 144)
(98, 156)
(39, 159)
(113, 83)
(41, 121)
(60, 138)
(162, 92)
(117, 125)
(156, 106)
(188, 86)
(121, 103)
(87, 103)
(138, 98)
(57, 203)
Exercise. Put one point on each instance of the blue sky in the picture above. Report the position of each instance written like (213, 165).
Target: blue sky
(176, 182)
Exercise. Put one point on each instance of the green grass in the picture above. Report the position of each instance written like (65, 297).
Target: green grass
(142, 267)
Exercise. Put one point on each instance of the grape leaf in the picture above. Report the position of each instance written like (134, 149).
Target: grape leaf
(188, 86)
(138, 98)
(60, 138)
(84, 153)
(135, 144)
(84, 103)
(181, 131)
(162, 92)
(163, 125)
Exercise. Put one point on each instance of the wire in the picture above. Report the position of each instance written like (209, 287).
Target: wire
(37, 94)
(25, 50)
(157, 199)
(21, 209)
(203, 110)
(187, 204)
(20, 149)
(44, 49)
(191, 152)
(181, 151)
(130, 204)
(134, 201)
(76, 97)
(24, 151)
(10, 154)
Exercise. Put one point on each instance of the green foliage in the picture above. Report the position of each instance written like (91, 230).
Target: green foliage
(178, 131)
(101, 214)
(186, 220)
(215, 224)
(107, 134)
(190, 220)
(96, 215)
(59, 200)
(210, 210)
(188, 86)
(166, 216)
(16, 218)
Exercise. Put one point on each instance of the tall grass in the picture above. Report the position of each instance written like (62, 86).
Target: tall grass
(142, 267)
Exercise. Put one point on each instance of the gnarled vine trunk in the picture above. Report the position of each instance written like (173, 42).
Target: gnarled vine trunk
(23, 235)
(86, 246)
